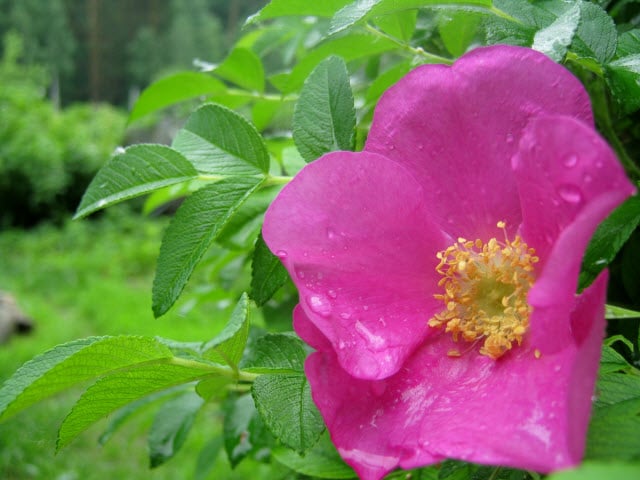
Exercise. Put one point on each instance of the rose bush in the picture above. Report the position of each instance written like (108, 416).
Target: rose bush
(437, 268)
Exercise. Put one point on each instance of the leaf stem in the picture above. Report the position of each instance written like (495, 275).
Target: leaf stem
(415, 51)
(272, 180)
(221, 370)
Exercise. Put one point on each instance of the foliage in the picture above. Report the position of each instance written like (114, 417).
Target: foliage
(47, 156)
(286, 93)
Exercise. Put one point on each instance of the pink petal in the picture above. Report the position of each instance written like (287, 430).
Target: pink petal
(569, 180)
(457, 127)
(519, 411)
(354, 233)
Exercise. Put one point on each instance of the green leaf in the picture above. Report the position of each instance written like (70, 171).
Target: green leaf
(611, 361)
(596, 36)
(599, 471)
(140, 169)
(286, 407)
(267, 273)
(281, 8)
(321, 461)
(219, 141)
(194, 227)
(613, 432)
(244, 432)
(623, 77)
(228, 345)
(359, 11)
(608, 239)
(173, 89)
(171, 426)
(348, 47)
(123, 415)
(72, 363)
(401, 25)
(555, 39)
(386, 80)
(276, 353)
(628, 43)
(244, 68)
(207, 459)
(613, 312)
(458, 31)
(324, 119)
(119, 388)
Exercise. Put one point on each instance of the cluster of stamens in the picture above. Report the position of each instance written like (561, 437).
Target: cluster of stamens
(485, 292)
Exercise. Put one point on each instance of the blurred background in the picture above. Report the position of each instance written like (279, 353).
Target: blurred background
(70, 70)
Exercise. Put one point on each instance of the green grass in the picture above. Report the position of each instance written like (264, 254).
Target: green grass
(94, 278)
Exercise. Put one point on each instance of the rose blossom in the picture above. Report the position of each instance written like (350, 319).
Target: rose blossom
(437, 269)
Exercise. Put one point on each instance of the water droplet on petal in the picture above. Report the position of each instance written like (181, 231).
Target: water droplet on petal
(570, 160)
(332, 294)
(345, 315)
(319, 305)
(509, 138)
(587, 178)
(570, 193)
(300, 274)
(281, 254)
(331, 234)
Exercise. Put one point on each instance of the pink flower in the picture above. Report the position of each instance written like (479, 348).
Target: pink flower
(437, 269)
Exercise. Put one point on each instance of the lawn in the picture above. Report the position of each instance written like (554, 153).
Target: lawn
(94, 277)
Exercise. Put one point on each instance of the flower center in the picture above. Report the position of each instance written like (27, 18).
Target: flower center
(485, 292)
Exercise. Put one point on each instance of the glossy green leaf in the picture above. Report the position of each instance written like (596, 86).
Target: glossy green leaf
(609, 238)
(171, 427)
(192, 230)
(285, 405)
(599, 471)
(628, 43)
(228, 345)
(139, 170)
(267, 273)
(72, 363)
(121, 387)
(244, 68)
(555, 39)
(614, 312)
(613, 432)
(324, 119)
(219, 141)
(348, 47)
(360, 11)
(174, 89)
(276, 353)
(281, 8)
(321, 461)
(244, 432)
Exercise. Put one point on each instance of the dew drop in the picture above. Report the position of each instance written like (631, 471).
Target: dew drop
(570, 193)
(420, 146)
(281, 254)
(319, 305)
(345, 315)
(509, 139)
(570, 160)
(587, 178)
(332, 294)
(300, 274)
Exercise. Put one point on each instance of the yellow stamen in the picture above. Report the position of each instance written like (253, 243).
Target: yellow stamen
(485, 292)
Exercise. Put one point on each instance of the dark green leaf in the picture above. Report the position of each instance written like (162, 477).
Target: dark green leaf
(596, 36)
(276, 352)
(609, 238)
(321, 461)
(219, 141)
(286, 407)
(324, 119)
(173, 89)
(228, 345)
(74, 362)
(114, 391)
(244, 431)
(267, 273)
(360, 11)
(281, 8)
(613, 432)
(171, 426)
(599, 471)
(556, 38)
(456, 470)
(195, 226)
(623, 77)
(244, 68)
(139, 170)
